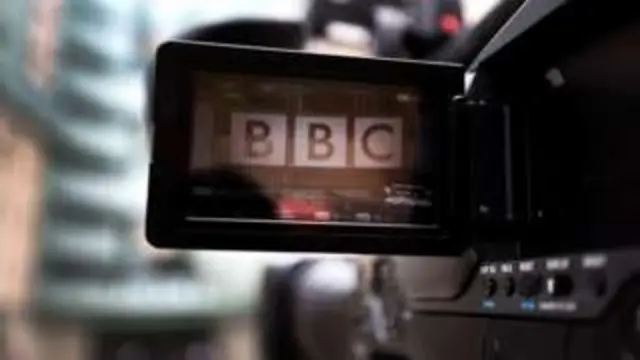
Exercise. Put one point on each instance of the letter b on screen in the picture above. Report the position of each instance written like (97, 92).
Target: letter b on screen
(321, 142)
(258, 139)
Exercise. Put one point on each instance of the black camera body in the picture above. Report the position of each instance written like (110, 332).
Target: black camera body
(264, 149)
(531, 168)
(561, 280)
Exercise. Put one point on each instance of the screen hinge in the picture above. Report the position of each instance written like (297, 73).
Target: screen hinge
(483, 170)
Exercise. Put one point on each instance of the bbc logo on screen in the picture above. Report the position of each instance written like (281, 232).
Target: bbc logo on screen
(317, 141)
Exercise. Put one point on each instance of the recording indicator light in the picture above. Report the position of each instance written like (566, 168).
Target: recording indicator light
(528, 305)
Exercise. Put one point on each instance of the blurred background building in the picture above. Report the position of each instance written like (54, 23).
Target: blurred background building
(77, 280)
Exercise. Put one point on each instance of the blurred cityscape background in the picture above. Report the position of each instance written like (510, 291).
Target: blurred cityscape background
(77, 279)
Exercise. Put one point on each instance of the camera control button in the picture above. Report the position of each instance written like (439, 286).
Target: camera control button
(509, 286)
(530, 285)
(490, 287)
(559, 285)
(597, 283)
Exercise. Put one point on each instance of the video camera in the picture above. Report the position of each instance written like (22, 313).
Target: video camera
(525, 156)
(263, 149)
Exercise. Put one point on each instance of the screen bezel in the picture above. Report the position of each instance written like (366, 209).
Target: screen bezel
(171, 112)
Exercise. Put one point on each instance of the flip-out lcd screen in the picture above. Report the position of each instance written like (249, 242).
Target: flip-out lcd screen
(306, 150)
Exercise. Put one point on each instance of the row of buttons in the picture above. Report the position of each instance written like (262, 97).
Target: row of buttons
(530, 285)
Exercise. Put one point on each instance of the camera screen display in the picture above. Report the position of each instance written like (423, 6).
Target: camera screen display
(305, 150)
